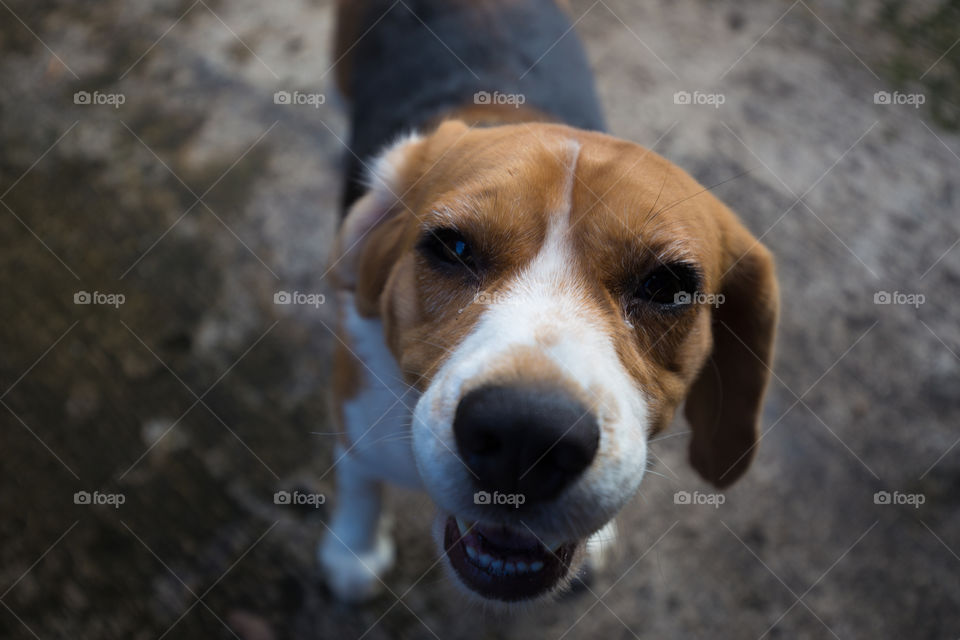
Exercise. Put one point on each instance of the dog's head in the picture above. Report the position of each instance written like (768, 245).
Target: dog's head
(555, 294)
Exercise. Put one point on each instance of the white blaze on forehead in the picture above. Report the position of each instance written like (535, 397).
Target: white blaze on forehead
(572, 153)
(546, 306)
(558, 221)
(552, 268)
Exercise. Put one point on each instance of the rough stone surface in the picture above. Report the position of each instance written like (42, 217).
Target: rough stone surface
(198, 198)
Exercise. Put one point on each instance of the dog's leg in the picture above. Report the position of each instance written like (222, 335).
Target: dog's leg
(372, 404)
(357, 549)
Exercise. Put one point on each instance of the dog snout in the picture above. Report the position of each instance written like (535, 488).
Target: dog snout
(525, 440)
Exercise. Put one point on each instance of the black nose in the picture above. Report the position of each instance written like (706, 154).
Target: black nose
(528, 440)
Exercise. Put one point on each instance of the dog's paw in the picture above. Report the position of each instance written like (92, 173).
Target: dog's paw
(355, 575)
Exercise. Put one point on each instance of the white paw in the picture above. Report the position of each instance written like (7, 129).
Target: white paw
(356, 575)
(600, 547)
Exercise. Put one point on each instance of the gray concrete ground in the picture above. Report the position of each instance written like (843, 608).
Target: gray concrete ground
(198, 198)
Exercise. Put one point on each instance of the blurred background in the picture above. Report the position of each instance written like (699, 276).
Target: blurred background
(155, 197)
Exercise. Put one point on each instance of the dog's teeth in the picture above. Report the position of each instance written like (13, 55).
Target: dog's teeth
(495, 565)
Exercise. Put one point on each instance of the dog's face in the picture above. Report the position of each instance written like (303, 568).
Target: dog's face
(555, 295)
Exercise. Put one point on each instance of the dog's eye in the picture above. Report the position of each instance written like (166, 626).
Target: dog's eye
(448, 247)
(669, 285)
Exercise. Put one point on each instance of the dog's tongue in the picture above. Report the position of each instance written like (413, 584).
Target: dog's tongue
(507, 538)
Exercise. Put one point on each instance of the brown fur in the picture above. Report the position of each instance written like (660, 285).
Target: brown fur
(630, 206)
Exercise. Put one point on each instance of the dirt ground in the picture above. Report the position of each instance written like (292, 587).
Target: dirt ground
(144, 156)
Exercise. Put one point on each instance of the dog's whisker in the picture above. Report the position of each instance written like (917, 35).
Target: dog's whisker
(438, 346)
(672, 435)
(657, 473)
(409, 386)
(651, 219)
(391, 437)
(704, 190)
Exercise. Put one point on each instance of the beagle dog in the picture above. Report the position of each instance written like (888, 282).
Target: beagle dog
(524, 301)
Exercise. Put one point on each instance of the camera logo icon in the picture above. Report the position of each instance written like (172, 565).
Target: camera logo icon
(282, 297)
(882, 97)
(281, 97)
(299, 499)
(97, 498)
(882, 497)
(681, 97)
(98, 98)
(481, 497)
(482, 97)
(882, 297)
(682, 497)
(682, 297)
(483, 297)
(82, 297)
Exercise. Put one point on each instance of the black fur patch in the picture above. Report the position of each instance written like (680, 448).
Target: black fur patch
(426, 57)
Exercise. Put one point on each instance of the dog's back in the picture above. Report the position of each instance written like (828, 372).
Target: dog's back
(404, 65)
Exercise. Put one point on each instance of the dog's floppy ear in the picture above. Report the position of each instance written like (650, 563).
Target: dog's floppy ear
(371, 237)
(377, 229)
(724, 404)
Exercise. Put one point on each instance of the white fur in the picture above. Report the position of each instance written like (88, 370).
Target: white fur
(358, 550)
(377, 417)
(600, 546)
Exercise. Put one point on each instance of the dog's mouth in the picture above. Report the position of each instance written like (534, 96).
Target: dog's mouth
(504, 563)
